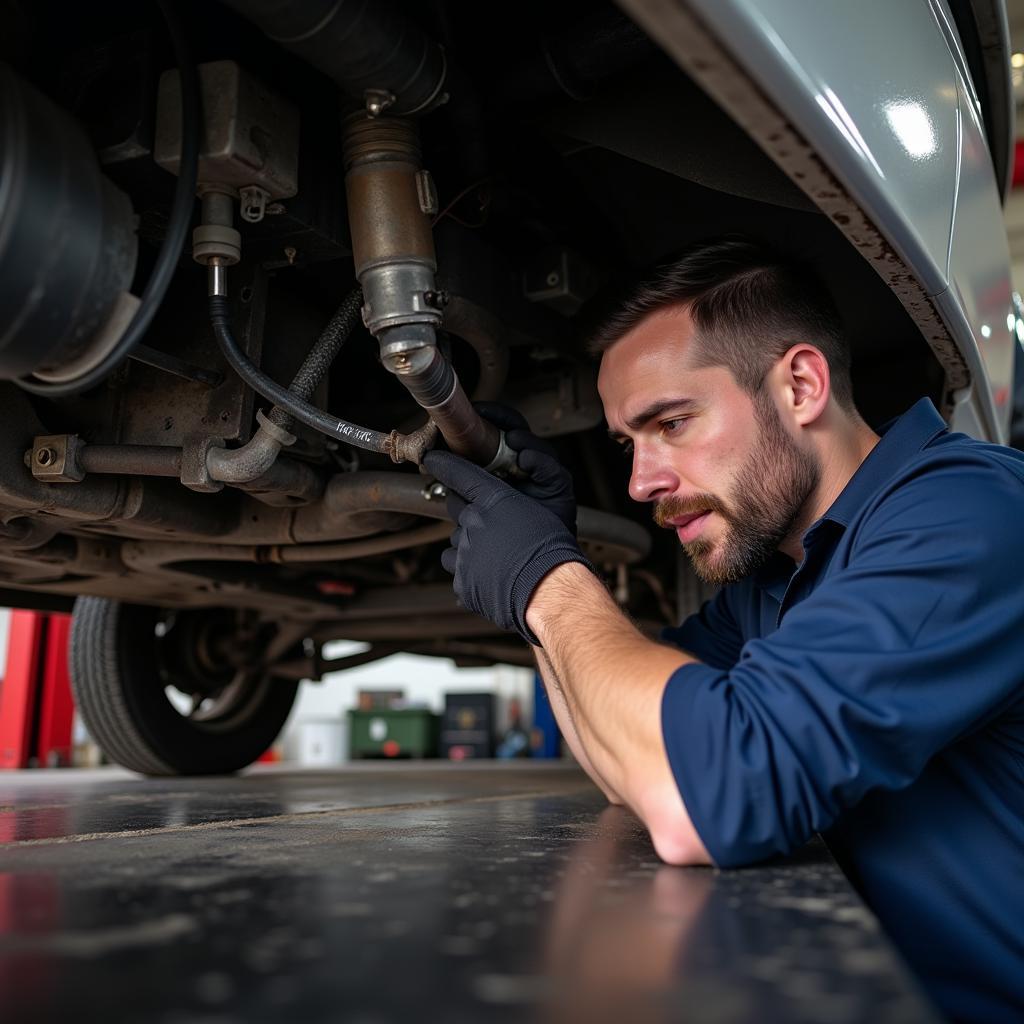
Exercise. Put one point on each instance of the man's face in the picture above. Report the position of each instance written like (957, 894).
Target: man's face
(719, 466)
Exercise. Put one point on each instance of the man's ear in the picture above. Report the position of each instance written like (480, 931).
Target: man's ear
(805, 383)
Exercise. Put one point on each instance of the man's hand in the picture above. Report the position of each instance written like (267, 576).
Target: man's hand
(547, 480)
(504, 545)
(509, 550)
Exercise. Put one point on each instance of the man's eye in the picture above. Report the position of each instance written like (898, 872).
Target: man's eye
(626, 447)
(673, 426)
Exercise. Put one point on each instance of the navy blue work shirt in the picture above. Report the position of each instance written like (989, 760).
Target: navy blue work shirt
(875, 694)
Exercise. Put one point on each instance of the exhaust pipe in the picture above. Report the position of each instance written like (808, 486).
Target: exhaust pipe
(390, 201)
(389, 67)
(374, 54)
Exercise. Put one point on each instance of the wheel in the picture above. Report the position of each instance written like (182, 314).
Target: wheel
(170, 692)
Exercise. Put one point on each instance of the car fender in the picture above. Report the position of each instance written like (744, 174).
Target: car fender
(907, 144)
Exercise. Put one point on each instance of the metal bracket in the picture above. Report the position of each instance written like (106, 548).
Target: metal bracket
(253, 203)
(54, 459)
(426, 192)
(194, 474)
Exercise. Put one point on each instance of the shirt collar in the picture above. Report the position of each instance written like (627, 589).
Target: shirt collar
(773, 577)
(901, 439)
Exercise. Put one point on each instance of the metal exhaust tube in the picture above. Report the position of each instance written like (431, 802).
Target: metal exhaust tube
(373, 52)
(390, 202)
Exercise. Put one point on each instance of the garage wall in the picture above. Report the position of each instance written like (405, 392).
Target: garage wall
(424, 681)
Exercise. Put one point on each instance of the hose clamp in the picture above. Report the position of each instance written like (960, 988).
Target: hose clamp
(504, 462)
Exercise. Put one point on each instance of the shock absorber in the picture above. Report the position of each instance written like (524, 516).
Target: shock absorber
(390, 201)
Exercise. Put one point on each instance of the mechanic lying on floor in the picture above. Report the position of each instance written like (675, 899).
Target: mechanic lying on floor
(861, 671)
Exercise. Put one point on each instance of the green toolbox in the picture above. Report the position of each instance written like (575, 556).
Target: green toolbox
(410, 732)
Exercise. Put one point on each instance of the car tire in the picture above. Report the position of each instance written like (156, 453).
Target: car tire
(121, 682)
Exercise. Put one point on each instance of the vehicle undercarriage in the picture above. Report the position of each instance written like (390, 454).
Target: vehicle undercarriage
(345, 224)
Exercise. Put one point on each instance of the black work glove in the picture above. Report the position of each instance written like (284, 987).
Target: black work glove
(505, 543)
(547, 480)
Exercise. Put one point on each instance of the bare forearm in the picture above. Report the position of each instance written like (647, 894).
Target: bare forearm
(568, 727)
(611, 675)
(613, 678)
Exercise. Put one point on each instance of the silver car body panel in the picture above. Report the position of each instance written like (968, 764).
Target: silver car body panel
(880, 92)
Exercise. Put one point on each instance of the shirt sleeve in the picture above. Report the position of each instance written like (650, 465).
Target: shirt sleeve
(914, 644)
(713, 634)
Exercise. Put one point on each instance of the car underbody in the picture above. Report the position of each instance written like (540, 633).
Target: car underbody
(363, 242)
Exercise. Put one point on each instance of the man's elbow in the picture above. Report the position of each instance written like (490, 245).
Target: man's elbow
(672, 832)
(679, 846)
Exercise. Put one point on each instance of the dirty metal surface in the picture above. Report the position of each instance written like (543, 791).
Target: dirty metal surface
(407, 892)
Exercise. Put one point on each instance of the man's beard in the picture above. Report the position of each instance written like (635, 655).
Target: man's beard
(764, 504)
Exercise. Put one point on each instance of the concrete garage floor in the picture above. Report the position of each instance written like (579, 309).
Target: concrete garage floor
(392, 892)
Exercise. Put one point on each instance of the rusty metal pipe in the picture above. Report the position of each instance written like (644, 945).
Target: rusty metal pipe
(285, 478)
(286, 482)
(131, 459)
(430, 379)
(366, 502)
(390, 202)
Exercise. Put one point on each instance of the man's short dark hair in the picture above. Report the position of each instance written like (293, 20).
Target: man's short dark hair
(749, 304)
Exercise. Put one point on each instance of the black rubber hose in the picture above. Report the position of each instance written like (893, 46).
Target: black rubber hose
(321, 355)
(177, 228)
(361, 437)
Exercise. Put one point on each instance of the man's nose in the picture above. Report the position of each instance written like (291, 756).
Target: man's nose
(652, 477)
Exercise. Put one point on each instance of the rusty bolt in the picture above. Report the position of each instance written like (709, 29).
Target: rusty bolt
(290, 252)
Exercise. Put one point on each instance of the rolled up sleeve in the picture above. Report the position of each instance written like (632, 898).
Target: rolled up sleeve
(912, 645)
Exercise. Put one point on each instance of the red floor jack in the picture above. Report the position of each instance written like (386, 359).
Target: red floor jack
(36, 709)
